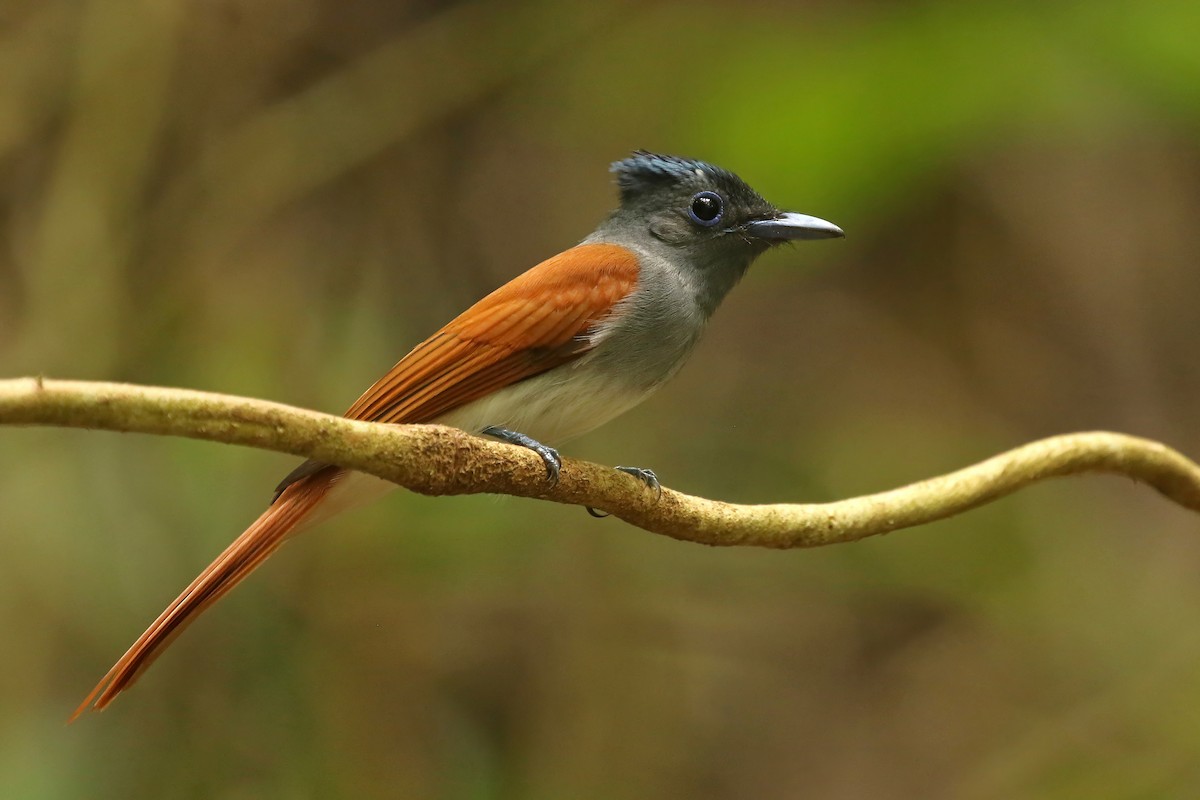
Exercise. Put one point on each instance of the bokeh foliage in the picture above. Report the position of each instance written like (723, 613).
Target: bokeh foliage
(279, 197)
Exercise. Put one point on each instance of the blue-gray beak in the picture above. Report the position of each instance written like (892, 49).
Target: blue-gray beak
(789, 226)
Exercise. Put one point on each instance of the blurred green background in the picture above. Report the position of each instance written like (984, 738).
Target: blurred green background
(278, 198)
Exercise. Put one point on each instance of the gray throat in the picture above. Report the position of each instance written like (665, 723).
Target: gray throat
(662, 320)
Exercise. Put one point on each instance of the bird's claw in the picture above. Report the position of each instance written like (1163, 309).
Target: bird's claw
(646, 476)
(552, 460)
(548, 455)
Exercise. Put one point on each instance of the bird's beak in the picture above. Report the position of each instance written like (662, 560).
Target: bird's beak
(789, 225)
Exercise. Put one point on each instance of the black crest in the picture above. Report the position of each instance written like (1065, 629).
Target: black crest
(644, 172)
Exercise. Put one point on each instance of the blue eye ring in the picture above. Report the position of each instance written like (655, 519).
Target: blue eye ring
(706, 208)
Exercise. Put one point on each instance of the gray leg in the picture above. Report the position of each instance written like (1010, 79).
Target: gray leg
(549, 454)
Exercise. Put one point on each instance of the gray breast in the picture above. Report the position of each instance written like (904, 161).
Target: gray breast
(654, 329)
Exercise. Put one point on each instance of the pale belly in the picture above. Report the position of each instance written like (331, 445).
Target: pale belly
(552, 408)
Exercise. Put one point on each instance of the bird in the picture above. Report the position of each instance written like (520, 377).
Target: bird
(554, 353)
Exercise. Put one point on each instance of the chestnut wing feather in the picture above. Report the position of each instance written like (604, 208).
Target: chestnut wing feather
(538, 321)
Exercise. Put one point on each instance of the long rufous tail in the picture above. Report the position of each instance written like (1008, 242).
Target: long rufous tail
(294, 506)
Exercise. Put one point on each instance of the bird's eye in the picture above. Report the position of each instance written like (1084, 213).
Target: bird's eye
(706, 208)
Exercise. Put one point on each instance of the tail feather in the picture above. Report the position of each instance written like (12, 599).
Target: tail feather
(264, 536)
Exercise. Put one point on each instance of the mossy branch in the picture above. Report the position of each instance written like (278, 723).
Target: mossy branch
(436, 460)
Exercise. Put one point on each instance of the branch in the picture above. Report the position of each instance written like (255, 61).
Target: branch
(436, 460)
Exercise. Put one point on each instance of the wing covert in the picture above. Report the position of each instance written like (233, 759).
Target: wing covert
(537, 321)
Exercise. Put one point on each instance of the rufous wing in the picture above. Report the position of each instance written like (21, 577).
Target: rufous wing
(538, 321)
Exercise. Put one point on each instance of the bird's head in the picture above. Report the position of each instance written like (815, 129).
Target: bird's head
(701, 217)
(683, 202)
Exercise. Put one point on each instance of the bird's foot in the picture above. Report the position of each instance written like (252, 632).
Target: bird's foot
(549, 455)
(646, 476)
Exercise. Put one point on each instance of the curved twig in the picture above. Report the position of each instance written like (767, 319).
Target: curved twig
(436, 460)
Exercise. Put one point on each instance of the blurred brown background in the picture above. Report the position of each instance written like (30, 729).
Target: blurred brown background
(279, 197)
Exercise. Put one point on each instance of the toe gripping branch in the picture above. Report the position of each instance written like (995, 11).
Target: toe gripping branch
(646, 476)
(554, 463)
(549, 455)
